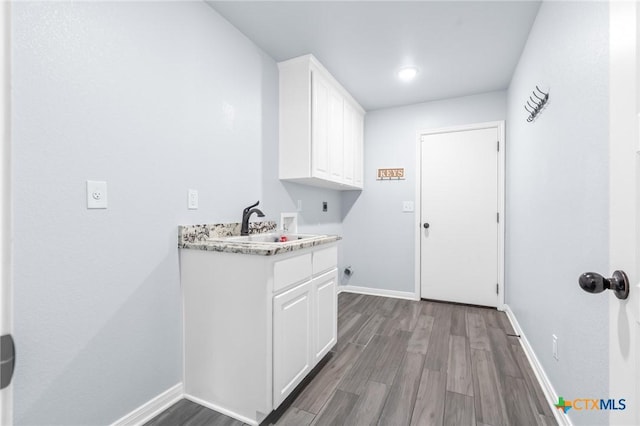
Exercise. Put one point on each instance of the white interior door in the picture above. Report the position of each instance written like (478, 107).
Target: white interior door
(459, 251)
(624, 208)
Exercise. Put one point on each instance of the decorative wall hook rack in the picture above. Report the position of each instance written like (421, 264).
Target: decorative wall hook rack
(535, 104)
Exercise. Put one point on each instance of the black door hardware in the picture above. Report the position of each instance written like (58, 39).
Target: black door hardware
(426, 226)
(7, 360)
(592, 282)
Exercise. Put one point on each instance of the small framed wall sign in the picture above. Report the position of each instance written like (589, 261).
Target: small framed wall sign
(391, 174)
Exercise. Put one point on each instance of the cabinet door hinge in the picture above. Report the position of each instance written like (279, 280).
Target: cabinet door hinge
(498, 146)
(497, 288)
(498, 217)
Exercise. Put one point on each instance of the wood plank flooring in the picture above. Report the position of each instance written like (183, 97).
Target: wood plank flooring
(400, 362)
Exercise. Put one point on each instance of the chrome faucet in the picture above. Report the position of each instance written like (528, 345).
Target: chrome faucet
(246, 214)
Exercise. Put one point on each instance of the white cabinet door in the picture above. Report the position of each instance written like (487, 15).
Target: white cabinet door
(320, 127)
(291, 340)
(325, 314)
(336, 136)
(359, 150)
(349, 142)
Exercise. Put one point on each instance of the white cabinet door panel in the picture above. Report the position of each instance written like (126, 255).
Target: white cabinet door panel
(320, 126)
(336, 135)
(326, 326)
(359, 150)
(349, 142)
(291, 340)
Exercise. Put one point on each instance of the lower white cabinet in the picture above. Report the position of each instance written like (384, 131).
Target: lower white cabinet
(304, 331)
(255, 326)
(292, 330)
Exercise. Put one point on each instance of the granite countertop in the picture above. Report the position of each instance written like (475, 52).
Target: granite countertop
(212, 238)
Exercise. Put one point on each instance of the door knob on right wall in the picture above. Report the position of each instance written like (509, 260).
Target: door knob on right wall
(592, 282)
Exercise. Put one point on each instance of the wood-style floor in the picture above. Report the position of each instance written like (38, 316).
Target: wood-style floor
(400, 362)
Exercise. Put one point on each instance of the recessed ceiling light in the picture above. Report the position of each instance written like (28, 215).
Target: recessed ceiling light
(407, 73)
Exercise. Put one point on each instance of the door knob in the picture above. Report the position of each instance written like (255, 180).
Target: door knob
(592, 282)
(426, 225)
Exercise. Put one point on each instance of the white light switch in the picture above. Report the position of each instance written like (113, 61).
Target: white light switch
(96, 194)
(407, 206)
(192, 202)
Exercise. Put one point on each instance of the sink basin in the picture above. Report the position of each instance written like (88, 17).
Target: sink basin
(271, 238)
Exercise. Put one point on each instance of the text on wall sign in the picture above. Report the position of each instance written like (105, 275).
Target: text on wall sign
(391, 174)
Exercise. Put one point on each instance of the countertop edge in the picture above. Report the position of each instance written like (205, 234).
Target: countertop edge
(258, 249)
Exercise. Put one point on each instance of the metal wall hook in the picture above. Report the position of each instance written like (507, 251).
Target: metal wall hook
(539, 98)
(538, 104)
(538, 89)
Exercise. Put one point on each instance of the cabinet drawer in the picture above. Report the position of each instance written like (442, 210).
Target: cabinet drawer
(325, 259)
(291, 271)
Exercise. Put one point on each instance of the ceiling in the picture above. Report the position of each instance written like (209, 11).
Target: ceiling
(460, 47)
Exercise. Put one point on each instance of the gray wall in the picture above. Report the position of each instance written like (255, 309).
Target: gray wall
(378, 237)
(154, 98)
(557, 198)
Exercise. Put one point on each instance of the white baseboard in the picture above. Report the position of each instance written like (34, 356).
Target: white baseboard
(152, 408)
(378, 292)
(221, 410)
(543, 379)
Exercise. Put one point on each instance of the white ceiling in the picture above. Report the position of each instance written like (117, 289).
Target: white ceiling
(460, 47)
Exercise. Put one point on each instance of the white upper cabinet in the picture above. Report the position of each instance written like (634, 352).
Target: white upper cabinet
(321, 127)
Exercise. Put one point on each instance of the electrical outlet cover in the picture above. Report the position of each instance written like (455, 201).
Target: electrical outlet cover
(96, 194)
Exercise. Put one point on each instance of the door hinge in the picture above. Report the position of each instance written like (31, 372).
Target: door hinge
(498, 146)
(497, 288)
(498, 217)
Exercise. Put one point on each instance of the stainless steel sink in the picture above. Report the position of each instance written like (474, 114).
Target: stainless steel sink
(270, 238)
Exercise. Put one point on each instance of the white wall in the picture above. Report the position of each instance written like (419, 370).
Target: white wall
(154, 98)
(557, 198)
(378, 237)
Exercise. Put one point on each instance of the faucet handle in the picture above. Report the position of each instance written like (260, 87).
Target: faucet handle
(251, 206)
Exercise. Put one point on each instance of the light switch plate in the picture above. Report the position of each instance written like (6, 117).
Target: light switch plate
(407, 206)
(96, 194)
(192, 199)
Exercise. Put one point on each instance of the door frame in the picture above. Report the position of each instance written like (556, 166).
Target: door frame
(624, 205)
(6, 275)
(499, 125)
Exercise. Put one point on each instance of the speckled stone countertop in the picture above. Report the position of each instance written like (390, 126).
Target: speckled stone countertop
(212, 238)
